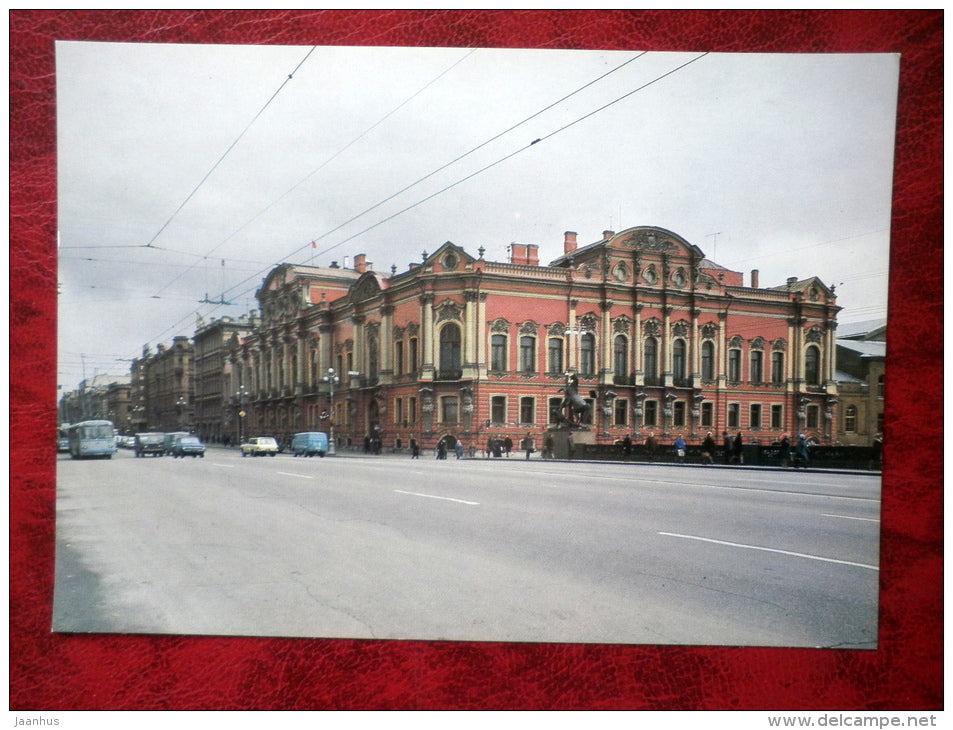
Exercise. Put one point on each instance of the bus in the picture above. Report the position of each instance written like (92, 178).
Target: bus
(92, 439)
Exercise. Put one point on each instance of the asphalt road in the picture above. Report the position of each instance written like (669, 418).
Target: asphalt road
(473, 550)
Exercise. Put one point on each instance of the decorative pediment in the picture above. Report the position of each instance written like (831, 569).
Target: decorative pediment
(366, 287)
(652, 327)
(499, 326)
(449, 310)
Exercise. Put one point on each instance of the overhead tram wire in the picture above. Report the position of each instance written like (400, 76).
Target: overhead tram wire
(448, 164)
(319, 168)
(222, 159)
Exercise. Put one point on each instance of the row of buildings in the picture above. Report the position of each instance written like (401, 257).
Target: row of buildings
(660, 339)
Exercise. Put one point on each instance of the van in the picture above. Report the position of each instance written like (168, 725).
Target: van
(309, 444)
(169, 439)
(150, 443)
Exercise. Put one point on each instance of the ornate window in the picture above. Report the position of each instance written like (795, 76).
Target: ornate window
(555, 355)
(587, 354)
(708, 360)
(756, 375)
(498, 352)
(812, 365)
(678, 360)
(448, 409)
(777, 367)
(450, 367)
(850, 419)
(527, 354)
(620, 356)
(650, 360)
(734, 366)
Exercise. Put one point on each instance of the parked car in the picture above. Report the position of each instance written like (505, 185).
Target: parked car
(149, 443)
(260, 446)
(184, 446)
(309, 444)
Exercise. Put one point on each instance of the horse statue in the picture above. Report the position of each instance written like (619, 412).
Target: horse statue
(573, 409)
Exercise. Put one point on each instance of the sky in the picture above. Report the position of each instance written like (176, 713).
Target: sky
(187, 172)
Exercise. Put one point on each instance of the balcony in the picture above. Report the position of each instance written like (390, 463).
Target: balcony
(448, 374)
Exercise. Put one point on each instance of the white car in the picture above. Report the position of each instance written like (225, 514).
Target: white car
(260, 446)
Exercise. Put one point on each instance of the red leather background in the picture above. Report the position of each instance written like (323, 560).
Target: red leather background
(56, 672)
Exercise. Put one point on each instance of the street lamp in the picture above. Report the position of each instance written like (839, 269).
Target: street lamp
(331, 379)
(242, 396)
(180, 406)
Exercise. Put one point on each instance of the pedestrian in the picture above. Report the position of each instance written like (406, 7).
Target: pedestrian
(458, 447)
(626, 447)
(489, 447)
(528, 445)
(708, 449)
(726, 442)
(737, 456)
(802, 452)
(548, 445)
(441, 449)
(507, 446)
(414, 449)
(784, 453)
(650, 446)
(680, 449)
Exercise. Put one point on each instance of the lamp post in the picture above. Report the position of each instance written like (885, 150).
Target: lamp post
(241, 395)
(331, 379)
(180, 407)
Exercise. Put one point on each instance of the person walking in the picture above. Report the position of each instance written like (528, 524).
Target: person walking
(458, 448)
(414, 449)
(708, 449)
(726, 443)
(802, 451)
(528, 445)
(507, 446)
(626, 447)
(680, 449)
(650, 445)
(737, 457)
(784, 453)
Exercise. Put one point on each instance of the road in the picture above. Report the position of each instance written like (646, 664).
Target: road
(473, 550)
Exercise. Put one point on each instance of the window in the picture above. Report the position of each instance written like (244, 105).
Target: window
(755, 416)
(757, 366)
(498, 409)
(708, 360)
(412, 410)
(734, 415)
(555, 349)
(450, 351)
(678, 413)
(414, 361)
(527, 354)
(813, 416)
(527, 410)
(678, 360)
(620, 356)
(777, 417)
(650, 359)
(777, 368)
(651, 413)
(498, 353)
(399, 357)
(734, 366)
(398, 411)
(586, 417)
(587, 354)
(708, 415)
(448, 408)
(555, 407)
(850, 419)
(621, 412)
(812, 365)
(372, 356)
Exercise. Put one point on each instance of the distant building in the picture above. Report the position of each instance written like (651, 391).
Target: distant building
(661, 340)
(211, 399)
(861, 366)
(162, 393)
(100, 397)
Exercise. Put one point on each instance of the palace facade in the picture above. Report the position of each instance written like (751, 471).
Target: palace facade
(661, 339)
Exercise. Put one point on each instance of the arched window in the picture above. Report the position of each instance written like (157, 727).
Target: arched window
(620, 356)
(678, 360)
(756, 375)
(372, 356)
(812, 365)
(650, 359)
(527, 354)
(777, 367)
(587, 354)
(555, 347)
(708, 360)
(450, 367)
(734, 366)
(498, 353)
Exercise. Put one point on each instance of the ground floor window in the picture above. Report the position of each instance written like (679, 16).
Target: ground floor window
(621, 410)
(498, 409)
(651, 413)
(448, 409)
(777, 417)
(755, 416)
(708, 414)
(734, 415)
(527, 410)
(678, 413)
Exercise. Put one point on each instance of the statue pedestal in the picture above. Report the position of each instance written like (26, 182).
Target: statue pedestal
(561, 446)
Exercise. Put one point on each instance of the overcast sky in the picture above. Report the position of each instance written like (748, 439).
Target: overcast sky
(187, 172)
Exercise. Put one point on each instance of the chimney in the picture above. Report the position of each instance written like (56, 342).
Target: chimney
(792, 280)
(361, 264)
(569, 242)
(526, 254)
(606, 235)
(754, 278)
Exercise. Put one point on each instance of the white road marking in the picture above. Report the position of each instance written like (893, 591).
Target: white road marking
(300, 476)
(771, 550)
(845, 517)
(225, 466)
(433, 496)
